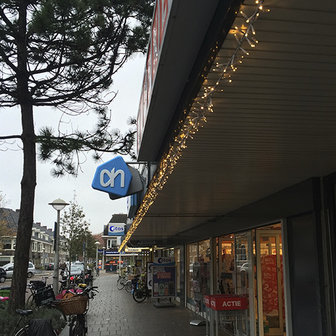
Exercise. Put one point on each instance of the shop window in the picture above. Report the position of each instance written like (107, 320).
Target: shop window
(234, 280)
(198, 275)
(225, 265)
(270, 291)
(177, 258)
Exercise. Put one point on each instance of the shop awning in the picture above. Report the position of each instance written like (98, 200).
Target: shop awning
(272, 127)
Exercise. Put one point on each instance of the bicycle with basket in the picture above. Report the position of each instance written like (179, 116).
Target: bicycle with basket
(74, 309)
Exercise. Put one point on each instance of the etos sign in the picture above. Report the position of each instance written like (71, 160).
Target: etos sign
(116, 229)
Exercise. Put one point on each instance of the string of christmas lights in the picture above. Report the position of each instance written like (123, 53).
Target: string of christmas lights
(202, 105)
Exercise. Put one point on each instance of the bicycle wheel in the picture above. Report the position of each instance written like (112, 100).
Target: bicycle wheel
(77, 327)
(128, 286)
(23, 331)
(139, 295)
(31, 304)
(121, 283)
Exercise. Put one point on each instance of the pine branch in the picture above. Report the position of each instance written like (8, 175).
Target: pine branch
(7, 137)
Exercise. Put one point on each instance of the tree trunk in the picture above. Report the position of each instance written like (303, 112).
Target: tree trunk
(25, 224)
(28, 182)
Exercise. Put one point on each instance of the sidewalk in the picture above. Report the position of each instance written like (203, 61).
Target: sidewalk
(114, 312)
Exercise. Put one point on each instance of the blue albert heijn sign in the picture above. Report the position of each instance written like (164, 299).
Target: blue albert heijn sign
(113, 177)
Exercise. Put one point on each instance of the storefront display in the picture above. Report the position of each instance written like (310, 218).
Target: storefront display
(271, 306)
(163, 272)
(249, 269)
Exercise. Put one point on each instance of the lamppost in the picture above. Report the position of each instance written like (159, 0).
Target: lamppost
(43, 258)
(58, 205)
(103, 261)
(97, 244)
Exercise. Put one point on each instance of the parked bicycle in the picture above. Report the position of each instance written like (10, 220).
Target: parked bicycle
(40, 293)
(34, 327)
(121, 282)
(75, 308)
(141, 292)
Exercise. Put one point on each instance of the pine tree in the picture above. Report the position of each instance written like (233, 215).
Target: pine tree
(63, 54)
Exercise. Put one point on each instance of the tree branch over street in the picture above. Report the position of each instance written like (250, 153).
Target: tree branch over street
(63, 54)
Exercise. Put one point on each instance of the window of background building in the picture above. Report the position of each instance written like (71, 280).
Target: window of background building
(7, 244)
(112, 243)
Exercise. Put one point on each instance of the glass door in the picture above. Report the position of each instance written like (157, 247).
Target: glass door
(271, 311)
(244, 285)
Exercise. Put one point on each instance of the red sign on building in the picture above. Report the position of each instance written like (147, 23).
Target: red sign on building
(207, 299)
(226, 302)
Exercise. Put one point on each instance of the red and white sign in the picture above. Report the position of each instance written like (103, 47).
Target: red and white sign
(207, 299)
(159, 26)
(228, 302)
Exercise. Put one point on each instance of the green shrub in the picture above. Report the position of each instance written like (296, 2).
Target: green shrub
(5, 292)
(9, 322)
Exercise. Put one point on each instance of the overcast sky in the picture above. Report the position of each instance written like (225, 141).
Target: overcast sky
(97, 206)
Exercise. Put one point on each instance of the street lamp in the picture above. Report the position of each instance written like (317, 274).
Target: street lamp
(103, 263)
(43, 258)
(58, 205)
(97, 244)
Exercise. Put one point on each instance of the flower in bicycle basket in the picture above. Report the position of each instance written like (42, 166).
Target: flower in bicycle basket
(71, 278)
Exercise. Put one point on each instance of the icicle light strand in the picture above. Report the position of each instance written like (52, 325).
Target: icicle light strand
(196, 118)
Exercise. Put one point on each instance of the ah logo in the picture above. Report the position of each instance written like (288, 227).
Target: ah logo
(113, 177)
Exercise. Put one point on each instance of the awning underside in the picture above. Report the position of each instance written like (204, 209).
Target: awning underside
(272, 127)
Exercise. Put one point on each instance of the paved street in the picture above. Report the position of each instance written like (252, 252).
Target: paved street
(114, 312)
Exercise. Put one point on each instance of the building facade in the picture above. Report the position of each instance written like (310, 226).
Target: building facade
(41, 250)
(237, 117)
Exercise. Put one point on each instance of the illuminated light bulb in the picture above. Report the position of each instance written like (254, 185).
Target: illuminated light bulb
(243, 14)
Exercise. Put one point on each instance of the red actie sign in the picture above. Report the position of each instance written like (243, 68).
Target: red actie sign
(207, 300)
(227, 302)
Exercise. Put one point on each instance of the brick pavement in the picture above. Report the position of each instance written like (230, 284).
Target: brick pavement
(114, 312)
